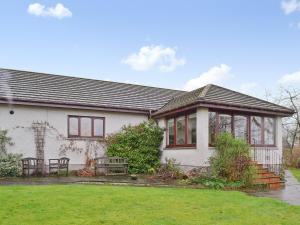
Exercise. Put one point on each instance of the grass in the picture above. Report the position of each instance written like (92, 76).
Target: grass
(296, 173)
(95, 204)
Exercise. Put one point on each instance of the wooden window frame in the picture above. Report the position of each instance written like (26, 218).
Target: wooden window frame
(93, 118)
(248, 116)
(174, 118)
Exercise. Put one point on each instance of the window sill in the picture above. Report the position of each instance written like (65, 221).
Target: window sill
(85, 139)
(181, 148)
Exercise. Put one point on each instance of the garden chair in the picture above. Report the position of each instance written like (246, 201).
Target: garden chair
(31, 166)
(58, 165)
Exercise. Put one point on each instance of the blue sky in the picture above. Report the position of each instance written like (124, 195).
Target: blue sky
(249, 46)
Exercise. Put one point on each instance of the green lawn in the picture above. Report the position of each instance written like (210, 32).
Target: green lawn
(296, 173)
(96, 204)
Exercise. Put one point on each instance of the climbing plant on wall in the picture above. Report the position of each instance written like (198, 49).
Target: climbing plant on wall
(5, 141)
(42, 129)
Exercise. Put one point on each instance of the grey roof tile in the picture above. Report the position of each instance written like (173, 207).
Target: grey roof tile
(49, 88)
(216, 95)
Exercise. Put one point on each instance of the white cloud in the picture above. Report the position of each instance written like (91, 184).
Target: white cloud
(290, 78)
(248, 87)
(149, 57)
(290, 6)
(215, 75)
(59, 11)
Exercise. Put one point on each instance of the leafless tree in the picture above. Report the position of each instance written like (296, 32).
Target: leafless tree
(289, 97)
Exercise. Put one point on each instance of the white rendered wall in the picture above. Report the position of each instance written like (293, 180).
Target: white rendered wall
(191, 157)
(23, 138)
(199, 156)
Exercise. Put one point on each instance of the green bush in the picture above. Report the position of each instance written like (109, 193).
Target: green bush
(139, 144)
(10, 165)
(232, 160)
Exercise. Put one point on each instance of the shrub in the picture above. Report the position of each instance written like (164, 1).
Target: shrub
(169, 171)
(139, 144)
(232, 160)
(10, 165)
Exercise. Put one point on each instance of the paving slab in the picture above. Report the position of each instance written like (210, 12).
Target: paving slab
(290, 193)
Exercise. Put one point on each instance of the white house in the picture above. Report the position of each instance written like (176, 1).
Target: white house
(63, 115)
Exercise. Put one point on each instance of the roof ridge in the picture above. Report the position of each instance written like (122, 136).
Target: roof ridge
(92, 79)
(205, 90)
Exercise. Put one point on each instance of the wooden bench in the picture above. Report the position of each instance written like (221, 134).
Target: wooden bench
(59, 164)
(32, 166)
(111, 165)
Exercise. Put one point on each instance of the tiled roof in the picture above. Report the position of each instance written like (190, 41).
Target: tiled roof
(216, 95)
(24, 86)
(49, 88)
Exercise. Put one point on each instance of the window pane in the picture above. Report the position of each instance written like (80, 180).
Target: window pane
(180, 130)
(240, 127)
(269, 125)
(73, 126)
(256, 130)
(98, 127)
(192, 136)
(225, 123)
(86, 127)
(170, 140)
(212, 127)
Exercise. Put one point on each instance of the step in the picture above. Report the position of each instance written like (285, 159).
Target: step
(276, 185)
(265, 174)
(270, 179)
(262, 170)
(259, 166)
(273, 185)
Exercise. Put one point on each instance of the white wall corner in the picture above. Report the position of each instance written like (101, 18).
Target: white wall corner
(279, 134)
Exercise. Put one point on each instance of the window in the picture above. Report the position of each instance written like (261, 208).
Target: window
(192, 137)
(256, 130)
(225, 123)
(170, 140)
(73, 126)
(86, 127)
(240, 127)
(212, 127)
(98, 127)
(181, 131)
(269, 127)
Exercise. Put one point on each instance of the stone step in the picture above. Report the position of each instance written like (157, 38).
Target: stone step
(272, 185)
(269, 179)
(265, 174)
(276, 185)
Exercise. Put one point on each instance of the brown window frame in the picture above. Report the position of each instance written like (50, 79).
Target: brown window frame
(174, 118)
(248, 116)
(93, 118)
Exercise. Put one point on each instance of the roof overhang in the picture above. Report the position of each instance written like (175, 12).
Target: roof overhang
(227, 107)
(74, 106)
